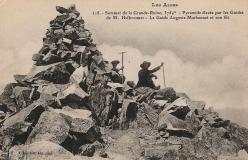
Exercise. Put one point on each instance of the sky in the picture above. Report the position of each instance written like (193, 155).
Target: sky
(208, 60)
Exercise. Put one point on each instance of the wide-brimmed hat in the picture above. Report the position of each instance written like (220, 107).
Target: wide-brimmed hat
(145, 63)
(115, 62)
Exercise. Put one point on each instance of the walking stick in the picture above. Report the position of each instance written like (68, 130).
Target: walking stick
(163, 76)
(122, 65)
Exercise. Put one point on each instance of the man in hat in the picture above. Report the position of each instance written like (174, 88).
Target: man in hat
(145, 75)
(116, 76)
(115, 64)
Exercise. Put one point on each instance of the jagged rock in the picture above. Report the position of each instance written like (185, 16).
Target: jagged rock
(50, 89)
(44, 50)
(103, 103)
(56, 73)
(19, 79)
(159, 104)
(48, 100)
(128, 113)
(37, 57)
(5, 97)
(179, 108)
(50, 127)
(145, 94)
(79, 120)
(162, 124)
(213, 119)
(71, 9)
(87, 150)
(17, 127)
(176, 126)
(220, 141)
(18, 123)
(79, 75)
(178, 119)
(39, 151)
(166, 94)
(83, 129)
(126, 143)
(22, 96)
(143, 90)
(73, 96)
(50, 58)
(238, 134)
(3, 108)
(197, 106)
(147, 117)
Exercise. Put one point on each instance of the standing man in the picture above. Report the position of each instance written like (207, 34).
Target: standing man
(114, 66)
(145, 75)
(116, 76)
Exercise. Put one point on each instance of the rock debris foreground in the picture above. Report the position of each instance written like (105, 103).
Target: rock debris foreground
(69, 106)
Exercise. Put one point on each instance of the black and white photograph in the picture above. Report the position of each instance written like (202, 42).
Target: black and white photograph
(123, 80)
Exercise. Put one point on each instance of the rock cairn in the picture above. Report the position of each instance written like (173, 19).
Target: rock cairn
(72, 105)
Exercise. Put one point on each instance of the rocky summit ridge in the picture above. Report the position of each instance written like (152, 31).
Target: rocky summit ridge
(72, 105)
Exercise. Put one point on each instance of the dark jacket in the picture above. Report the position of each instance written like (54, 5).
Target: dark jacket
(145, 77)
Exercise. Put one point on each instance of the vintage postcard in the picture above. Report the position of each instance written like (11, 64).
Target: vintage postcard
(123, 79)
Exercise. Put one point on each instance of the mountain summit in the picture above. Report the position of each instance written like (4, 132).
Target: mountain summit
(74, 105)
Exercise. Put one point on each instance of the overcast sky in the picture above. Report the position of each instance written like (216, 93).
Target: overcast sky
(206, 59)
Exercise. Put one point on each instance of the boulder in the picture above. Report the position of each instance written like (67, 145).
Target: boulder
(145, 94)
(238, 134)
(166, 94)
(50, 127)
(82, 128)
(79, 120)
(49, 100)
(50, 58)
(213, 119)
(19, 79)
(37, 57)
(197, 106)
(5, 97)
(20, 122)
(143, 90)
(220, 141)
(128, 113)
(22, 96)
(17, 127)
(73, 96)
(44, 50)
(178, 127)
(103, 103)
(179, 108)
(50, 89)
(79, 75)
(159, 104)
(56, 72)
(39, 151)
(147, 116)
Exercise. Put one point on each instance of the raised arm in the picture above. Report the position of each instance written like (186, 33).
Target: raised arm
(156, 68)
